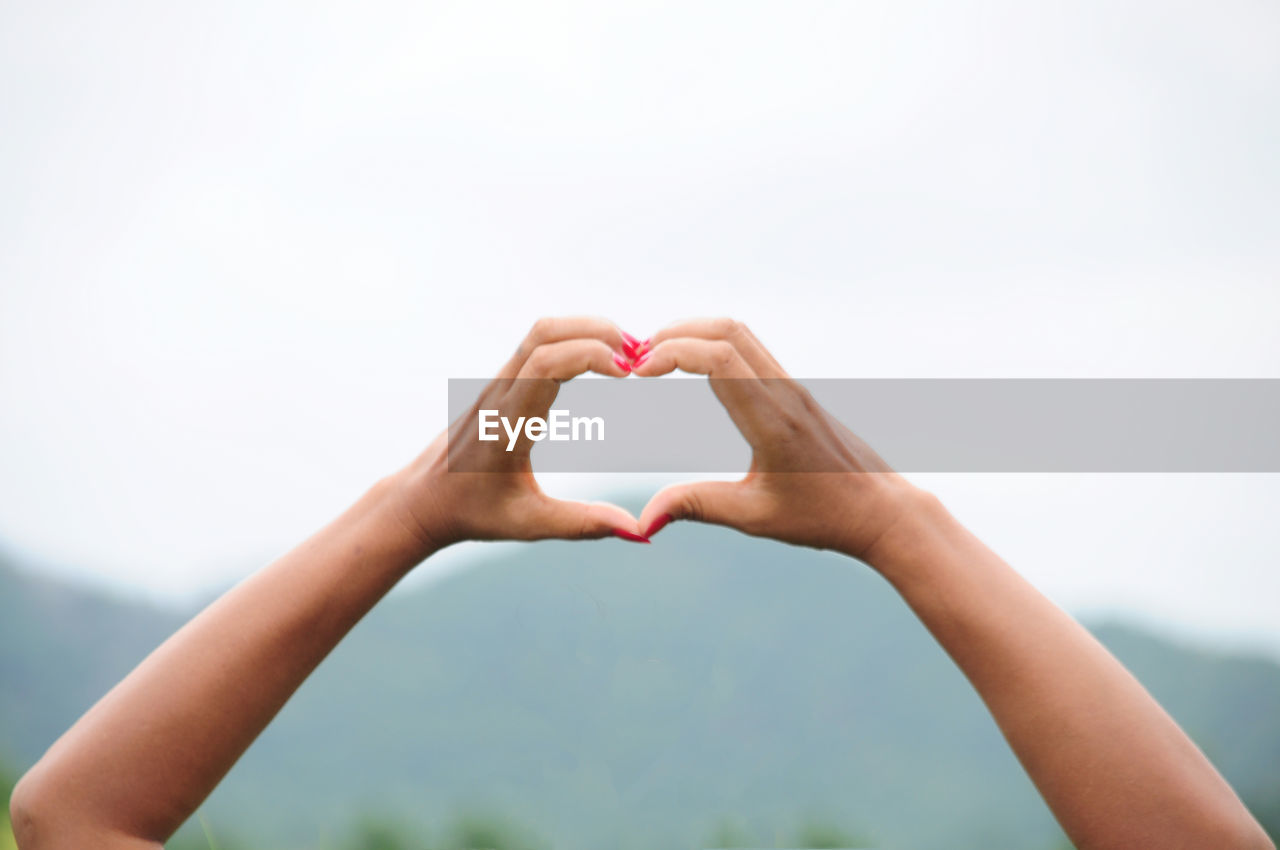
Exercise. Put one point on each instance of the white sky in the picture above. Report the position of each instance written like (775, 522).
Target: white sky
(244, 245)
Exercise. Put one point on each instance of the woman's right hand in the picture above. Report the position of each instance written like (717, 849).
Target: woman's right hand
(811, 481)
(484, 492)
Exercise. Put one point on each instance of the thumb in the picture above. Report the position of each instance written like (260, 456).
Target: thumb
(718, 502)
(567, 520)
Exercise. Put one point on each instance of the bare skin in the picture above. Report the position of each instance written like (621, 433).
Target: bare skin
(1113, 767)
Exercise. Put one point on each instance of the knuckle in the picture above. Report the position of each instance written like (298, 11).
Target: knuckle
(798, 394)
(692, 503)
(723, 354)
(811, 405)
(539, 360)
(783, 429)
(787, 426)
(540, 330)
(790, 424)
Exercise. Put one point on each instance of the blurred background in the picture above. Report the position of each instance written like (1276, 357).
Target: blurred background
(243, 246)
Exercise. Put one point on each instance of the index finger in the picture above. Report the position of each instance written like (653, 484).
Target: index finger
(549, 330)
(735, 333)
(742, 392)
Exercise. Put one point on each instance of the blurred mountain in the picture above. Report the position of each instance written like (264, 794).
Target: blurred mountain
(710, 689)
(61, 648)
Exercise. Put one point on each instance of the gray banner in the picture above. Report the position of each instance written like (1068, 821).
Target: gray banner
(917, 425)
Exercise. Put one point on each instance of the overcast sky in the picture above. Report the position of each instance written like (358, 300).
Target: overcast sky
(244, 245)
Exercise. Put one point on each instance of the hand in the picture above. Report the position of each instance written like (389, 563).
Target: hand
(503, 501)
(811, 480)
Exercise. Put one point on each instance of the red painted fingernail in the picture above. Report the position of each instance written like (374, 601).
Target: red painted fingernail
(640, 360)
(658, 524)
(632, 341)
(646, 342)
(630, 535)
(622, 364)
(630, 350)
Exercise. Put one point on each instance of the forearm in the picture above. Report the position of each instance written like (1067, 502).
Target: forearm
(1111, 764)
(140, 761)
(147, 754)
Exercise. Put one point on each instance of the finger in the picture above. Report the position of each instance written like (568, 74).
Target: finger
(713, 358)
(729, 503)
(733, 332)
(567, 520)
(536, 386)
(790, 394)
(551, 330)
(534, 389)
(749, 403)
(563, 361)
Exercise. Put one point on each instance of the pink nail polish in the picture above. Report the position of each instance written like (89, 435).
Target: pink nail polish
(630, 535)
(622, 364)
(640, 360)
(632, 341)
(630, 350)
(658, 524)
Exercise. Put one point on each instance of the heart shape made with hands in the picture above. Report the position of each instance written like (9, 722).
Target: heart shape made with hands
(784, 428)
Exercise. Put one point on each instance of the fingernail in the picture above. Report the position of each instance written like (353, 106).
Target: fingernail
(630, 535)
(640, 360)
(632, 341)
(658, 524)
(630, 350)
(622, 364)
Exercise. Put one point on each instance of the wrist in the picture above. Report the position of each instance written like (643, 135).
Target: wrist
(404, 525)
(920, 527)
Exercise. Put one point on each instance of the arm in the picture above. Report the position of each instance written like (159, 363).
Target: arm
(139, 762)
(144, 757)
(1113, 767)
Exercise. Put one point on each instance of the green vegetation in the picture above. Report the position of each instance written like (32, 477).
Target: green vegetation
(480, 832)
(6, 790)
(709, 690)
